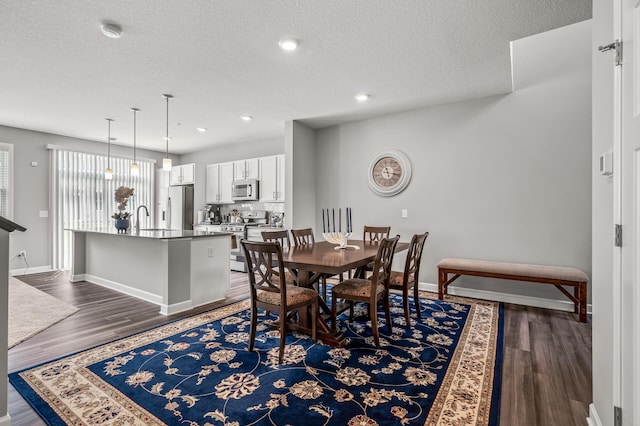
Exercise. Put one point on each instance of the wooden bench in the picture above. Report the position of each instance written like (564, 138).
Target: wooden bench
(557, 275)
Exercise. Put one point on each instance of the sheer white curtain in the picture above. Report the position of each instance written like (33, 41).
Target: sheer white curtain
(83, 199)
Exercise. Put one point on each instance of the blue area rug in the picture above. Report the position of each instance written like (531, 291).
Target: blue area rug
(444, 369)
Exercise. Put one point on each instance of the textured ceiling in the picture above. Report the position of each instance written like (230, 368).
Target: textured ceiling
(220, 59)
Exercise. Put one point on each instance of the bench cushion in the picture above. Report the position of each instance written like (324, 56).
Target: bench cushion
(520, 269)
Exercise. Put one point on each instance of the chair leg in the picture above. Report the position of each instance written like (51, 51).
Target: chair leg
(323, 281)
(387, 312)
(333, 312)
(254, 323)
(405, 303)
(416, 299)
(373, 314)
(314, 322)
(283, 334)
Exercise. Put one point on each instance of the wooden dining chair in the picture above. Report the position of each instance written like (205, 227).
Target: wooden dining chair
(408, 279)
(304, 237)
(282, 237)
(270, 292)
(370, 291)
(373, 233)
(376, 233)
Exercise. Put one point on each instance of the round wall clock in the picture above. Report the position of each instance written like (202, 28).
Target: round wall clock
(389, 173)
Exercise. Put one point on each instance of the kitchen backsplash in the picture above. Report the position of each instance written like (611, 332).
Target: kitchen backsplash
(225, 209)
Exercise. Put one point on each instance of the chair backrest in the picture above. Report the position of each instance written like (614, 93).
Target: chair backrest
(303, 237)
(262, 260)
(280, 236)
(382, 263)
(376, 233)
(412, 264)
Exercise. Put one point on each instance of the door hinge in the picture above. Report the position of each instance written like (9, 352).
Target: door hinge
(617, 46)
(618, 235)
(617, 416)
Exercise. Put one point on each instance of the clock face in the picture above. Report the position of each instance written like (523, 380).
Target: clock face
(389, 173)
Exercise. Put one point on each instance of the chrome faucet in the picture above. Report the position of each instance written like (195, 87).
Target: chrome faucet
(141, 206)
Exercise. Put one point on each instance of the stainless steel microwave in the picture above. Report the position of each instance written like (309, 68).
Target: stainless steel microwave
(246, 190)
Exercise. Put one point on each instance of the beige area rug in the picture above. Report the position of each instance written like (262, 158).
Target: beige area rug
(32, 310)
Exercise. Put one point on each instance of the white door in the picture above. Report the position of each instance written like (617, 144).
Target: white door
(630, 214)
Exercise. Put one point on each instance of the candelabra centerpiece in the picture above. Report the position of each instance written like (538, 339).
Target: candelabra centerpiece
(339, 238)
(334, 236)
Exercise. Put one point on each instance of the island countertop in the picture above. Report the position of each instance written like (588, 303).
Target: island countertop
(158, 234)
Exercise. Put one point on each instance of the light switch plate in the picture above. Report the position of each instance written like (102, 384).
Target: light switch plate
(44, 213)
(405, 213)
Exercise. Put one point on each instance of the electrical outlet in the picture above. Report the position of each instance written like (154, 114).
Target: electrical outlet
(22, 253)
(210, 252)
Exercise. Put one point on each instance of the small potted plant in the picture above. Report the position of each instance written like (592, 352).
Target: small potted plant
(122, 216)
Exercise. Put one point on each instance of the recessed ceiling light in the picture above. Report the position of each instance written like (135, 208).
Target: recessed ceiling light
(111, 30)
(246, 117)
(201, 129)
(288, 44)
(361, 97)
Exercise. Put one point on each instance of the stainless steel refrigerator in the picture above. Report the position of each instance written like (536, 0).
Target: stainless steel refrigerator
(180, 207)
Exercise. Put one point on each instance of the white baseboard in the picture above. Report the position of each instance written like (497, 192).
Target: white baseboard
(176, 307)
(122, 288)
(538, 302)
(31, 270)
(5, 420)
(593, 419)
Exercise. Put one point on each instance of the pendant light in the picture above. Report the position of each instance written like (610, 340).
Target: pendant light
(135, 170)
(166, 162)
(108, 173)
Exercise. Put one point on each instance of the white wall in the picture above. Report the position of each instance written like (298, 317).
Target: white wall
(602, 210)
(501, 178)
(31, 188)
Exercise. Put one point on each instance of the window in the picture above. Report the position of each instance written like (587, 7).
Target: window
(6, 181)
(85, 200)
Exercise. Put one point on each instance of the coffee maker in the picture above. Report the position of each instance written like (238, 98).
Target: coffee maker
(213, 215)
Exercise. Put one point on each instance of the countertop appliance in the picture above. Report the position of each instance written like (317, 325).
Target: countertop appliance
(245, 190)
(180, 207)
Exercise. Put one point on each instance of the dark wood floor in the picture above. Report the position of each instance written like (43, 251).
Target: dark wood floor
(547, 354)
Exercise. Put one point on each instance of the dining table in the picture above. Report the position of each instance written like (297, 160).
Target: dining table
(312, 261)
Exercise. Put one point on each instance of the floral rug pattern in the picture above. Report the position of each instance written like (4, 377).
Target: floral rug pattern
(443, 369)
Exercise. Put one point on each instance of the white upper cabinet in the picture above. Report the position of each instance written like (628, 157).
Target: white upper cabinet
(218, 183)
(183, 174)
(272, 178)
(226, 180)
(246, 169)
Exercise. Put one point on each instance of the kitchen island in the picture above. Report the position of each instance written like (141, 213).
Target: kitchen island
(177, 270)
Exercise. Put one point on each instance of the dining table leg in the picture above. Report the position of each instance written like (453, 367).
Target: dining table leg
(324, 331)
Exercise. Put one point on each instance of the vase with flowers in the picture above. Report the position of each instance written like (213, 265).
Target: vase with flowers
(122, 215)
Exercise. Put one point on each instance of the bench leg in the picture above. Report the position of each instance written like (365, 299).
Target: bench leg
(442, 278)
(583, 301)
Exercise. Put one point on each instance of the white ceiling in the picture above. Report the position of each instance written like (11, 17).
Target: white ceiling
(220, 59)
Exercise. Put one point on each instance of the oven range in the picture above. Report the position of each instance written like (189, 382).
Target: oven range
(238, 233)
